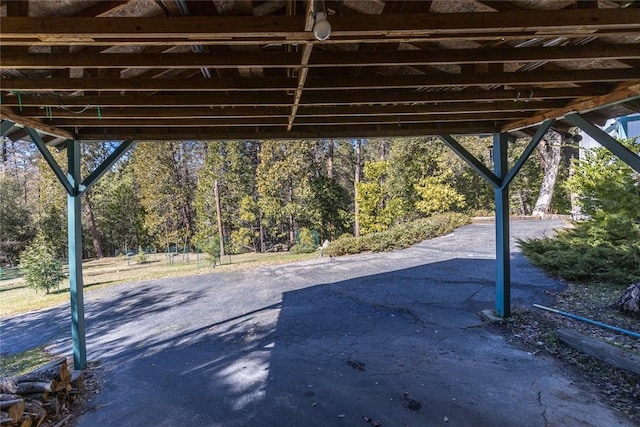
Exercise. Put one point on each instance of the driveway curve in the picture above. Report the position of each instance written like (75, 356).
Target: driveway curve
(389, 337)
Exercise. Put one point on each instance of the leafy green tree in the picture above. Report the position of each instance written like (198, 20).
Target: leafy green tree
(52, 207)
(606, 184)
(41, 269)
(284, 180)
(232, 164)
(119, 211)
(437, 196)
(378, 210)
(605, 248)
(165, 173)
(16, 223)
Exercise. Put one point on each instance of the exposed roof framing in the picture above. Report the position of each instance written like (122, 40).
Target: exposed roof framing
(171, 69)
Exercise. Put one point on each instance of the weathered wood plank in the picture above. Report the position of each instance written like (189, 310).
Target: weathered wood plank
(601, 350)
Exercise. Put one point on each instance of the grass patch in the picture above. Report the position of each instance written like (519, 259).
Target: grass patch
(399, 236)
(23, 363)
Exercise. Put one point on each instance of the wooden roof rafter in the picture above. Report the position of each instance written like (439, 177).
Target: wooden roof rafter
(414, 66)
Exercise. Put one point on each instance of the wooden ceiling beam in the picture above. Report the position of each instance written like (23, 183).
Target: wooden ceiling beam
(333, 120)
(303, 111)
(198, 28)
(9, 114)
(39, 61)
(356, 97)
(624, 92)
(307, 37)
(180, 134)
(323, 83)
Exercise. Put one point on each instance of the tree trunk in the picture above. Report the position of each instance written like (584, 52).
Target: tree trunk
(356, 209)
(292, 232)
(262, 243)
(97, 247)
(571, 152)
(3, 156)
(216, 193)
(330, 160)
(549, 150)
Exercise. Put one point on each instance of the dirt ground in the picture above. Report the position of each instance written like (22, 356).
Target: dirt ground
(536, 330)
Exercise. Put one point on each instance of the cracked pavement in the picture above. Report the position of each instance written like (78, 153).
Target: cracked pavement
(393, 338)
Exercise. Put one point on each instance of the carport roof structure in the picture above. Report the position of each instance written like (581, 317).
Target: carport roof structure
(75, 71)
(178, 69)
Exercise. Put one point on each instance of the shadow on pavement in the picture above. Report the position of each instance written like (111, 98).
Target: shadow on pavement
(405, 348)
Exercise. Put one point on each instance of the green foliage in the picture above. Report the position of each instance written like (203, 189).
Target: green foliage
(593, 252)
(52, 206)
(377, 209)
(211, 248)
(399, 236)
(16, 225)
(306, 242)
(40, 267)
(284, 179)
(605, 249)
(605, 183)
(141, 257)
(165, 175)
(437, 196)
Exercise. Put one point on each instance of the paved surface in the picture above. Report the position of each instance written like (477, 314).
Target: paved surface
(395, 337)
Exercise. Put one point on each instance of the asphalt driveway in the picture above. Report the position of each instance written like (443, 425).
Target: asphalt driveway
(392, 337)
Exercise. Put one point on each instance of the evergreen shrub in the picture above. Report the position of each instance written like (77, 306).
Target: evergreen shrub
(399, 236)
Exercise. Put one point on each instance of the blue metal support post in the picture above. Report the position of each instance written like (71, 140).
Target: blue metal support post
(74, 231)
(503, 253)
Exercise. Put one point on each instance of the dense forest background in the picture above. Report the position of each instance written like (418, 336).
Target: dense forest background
(163, 195)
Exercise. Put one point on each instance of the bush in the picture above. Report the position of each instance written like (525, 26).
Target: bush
(605, 251)
(40, 267)
(303, 248)
(399, 236)
(141, 256)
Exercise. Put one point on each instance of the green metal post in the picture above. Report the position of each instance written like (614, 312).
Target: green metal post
(503, 261)
(74, 232)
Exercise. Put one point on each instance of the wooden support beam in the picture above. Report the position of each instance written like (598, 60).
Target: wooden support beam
(323, 83)
(328, 120)
(308, 132)
(236, 59)
(7, 114)
(284, 111)
(357, 97)
(622, 93)
(290, 28)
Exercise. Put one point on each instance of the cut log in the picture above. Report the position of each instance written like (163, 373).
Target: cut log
(16, 410)
(39, 413)
(7, 385)
(36, 387)
(56, 370)
(52, 405)
(4, 419)
(4, 404)
(601, 350)
(5, 397)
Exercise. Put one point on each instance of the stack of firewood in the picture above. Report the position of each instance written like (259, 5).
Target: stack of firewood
(40, 396)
